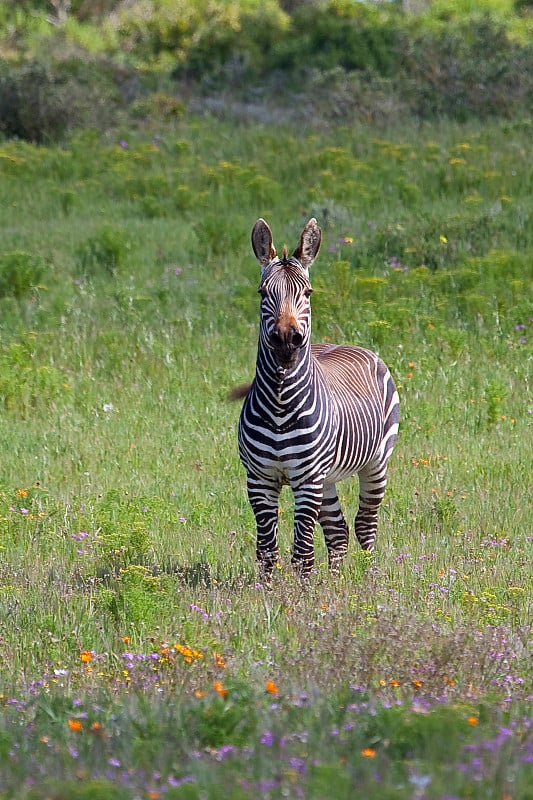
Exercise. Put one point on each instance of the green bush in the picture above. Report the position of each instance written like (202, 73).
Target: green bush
(32, 104)
(20, 273)
(41, 103)
(468, 69)
(341, 34)
(103, 252)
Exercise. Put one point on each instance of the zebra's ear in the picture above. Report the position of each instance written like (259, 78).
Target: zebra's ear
(307, 250)
(262, 243)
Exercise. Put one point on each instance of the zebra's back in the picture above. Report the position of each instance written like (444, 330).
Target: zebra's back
(366, 402)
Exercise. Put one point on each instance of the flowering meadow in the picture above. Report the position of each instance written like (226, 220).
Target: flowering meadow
(140, 657)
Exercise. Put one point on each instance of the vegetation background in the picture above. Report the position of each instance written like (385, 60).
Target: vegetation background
(140, 141)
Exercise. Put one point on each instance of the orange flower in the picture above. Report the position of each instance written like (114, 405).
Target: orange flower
(96, 727)
(417, 684)
(473, 721)
(75, 725)
(126, 639)
(86, 656)
(219, 660)
(218, 686)
(271, 687)
(22, 493)
(368, 752)
(394, 682)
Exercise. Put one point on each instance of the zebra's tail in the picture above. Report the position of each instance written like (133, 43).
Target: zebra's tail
(239, 392)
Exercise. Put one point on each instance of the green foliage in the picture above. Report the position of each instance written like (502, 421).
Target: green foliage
(32, 104)
(98, 789)
(20, 273)
(27, 382)
(104, 251)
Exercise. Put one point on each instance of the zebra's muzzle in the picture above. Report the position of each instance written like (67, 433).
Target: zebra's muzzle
(286, 345)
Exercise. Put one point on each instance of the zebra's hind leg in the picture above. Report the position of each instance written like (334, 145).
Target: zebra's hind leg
(372, 483)
(264, 499)
(334, 527)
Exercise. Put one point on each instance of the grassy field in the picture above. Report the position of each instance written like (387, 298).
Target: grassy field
(139, 655)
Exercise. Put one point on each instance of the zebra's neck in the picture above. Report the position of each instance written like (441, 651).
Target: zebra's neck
(279, 384)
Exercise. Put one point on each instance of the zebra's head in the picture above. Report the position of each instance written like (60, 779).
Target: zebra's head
(285, 291)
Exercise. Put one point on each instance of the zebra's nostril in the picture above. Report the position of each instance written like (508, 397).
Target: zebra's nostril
(297, 339)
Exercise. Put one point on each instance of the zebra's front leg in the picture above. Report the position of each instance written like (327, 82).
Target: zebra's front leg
(334, 527)
(307, 503)
(264, 499)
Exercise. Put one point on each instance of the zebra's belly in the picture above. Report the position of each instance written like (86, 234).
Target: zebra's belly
(350, 460)
(285, 460)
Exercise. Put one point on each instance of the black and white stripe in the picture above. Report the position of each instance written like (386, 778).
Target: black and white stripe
(314, 415)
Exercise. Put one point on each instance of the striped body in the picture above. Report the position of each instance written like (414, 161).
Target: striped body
(314, 415)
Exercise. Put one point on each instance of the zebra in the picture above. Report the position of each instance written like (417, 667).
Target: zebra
(314, 414)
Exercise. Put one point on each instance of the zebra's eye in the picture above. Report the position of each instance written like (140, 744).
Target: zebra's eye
(308, 292)
(262, 291)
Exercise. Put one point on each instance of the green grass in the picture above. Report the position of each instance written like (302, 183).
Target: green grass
(128, 309)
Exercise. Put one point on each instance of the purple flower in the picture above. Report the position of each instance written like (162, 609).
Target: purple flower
(123, 143)
(267, 738)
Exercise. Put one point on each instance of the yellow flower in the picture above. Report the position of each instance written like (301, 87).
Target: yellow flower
(443, 239)
(86, 656)
(22, 493)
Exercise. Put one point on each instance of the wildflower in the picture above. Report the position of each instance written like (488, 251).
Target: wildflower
(75, 725)
(443, 239)
(126, 639)
(473, 721)
(417, 684)
(219, 660)
(86, 656)
(188, 653)
(368, 752)
(22, 493)
(393, 682)
(96, 727)
(271, 687)
(218, 686)
(199, 694)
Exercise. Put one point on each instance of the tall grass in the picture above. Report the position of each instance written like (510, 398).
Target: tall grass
(139, 655)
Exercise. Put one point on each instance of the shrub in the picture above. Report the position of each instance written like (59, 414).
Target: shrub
(103, 252)
(341, 34)
(32, 105)
(471, 69)
(40, 104)
(20, 273)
